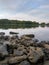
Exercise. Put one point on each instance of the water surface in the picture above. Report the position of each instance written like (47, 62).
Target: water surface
(42, 34)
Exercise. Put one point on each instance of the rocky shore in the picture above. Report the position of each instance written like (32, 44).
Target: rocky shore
(24, 50)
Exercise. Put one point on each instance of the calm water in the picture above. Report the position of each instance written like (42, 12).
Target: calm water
(42, 34)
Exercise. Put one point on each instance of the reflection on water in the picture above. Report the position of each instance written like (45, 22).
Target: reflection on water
(42, 34)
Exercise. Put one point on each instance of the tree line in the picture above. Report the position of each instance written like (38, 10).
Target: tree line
(5, 23)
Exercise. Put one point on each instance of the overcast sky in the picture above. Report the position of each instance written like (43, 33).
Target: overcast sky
(34, 10)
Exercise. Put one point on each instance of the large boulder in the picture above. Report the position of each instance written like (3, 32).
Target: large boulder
(35, 54)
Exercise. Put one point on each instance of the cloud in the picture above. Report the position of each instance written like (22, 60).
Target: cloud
(34, 10)
(22, 16)
(44, 6)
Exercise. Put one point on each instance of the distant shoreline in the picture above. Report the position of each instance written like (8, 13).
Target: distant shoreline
(5, 24)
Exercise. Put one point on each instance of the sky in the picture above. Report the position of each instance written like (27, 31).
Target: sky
(32, 10)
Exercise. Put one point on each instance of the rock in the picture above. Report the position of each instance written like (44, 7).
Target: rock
(25, 62)
(2, 57)
(25, 37)
(3, 50)
(1, 42)
(46, 46)
(46, 63)
(36, 40)
(13, 32)
(35, 54)
(29, 35)
(2, 33)
(10, 49)
(46, 51)
(27, 42)
(21, 47)
(2, 38)
(4, 62)
(17, 59)
(6, 38)
(18, 52)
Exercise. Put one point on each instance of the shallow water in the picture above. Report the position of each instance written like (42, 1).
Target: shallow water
(42, 34)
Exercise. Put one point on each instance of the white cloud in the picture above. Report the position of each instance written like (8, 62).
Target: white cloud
(39, 14)
(44, 6)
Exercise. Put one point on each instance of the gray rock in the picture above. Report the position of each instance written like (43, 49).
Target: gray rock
(3, 50)
(2, 33)
(25, 62)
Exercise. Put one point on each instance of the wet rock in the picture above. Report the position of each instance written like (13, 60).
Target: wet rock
(2, 33)
(25, 37)
(13, 32)
(25, 62)
(35, 54)
(29, 35)
(36, 40)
